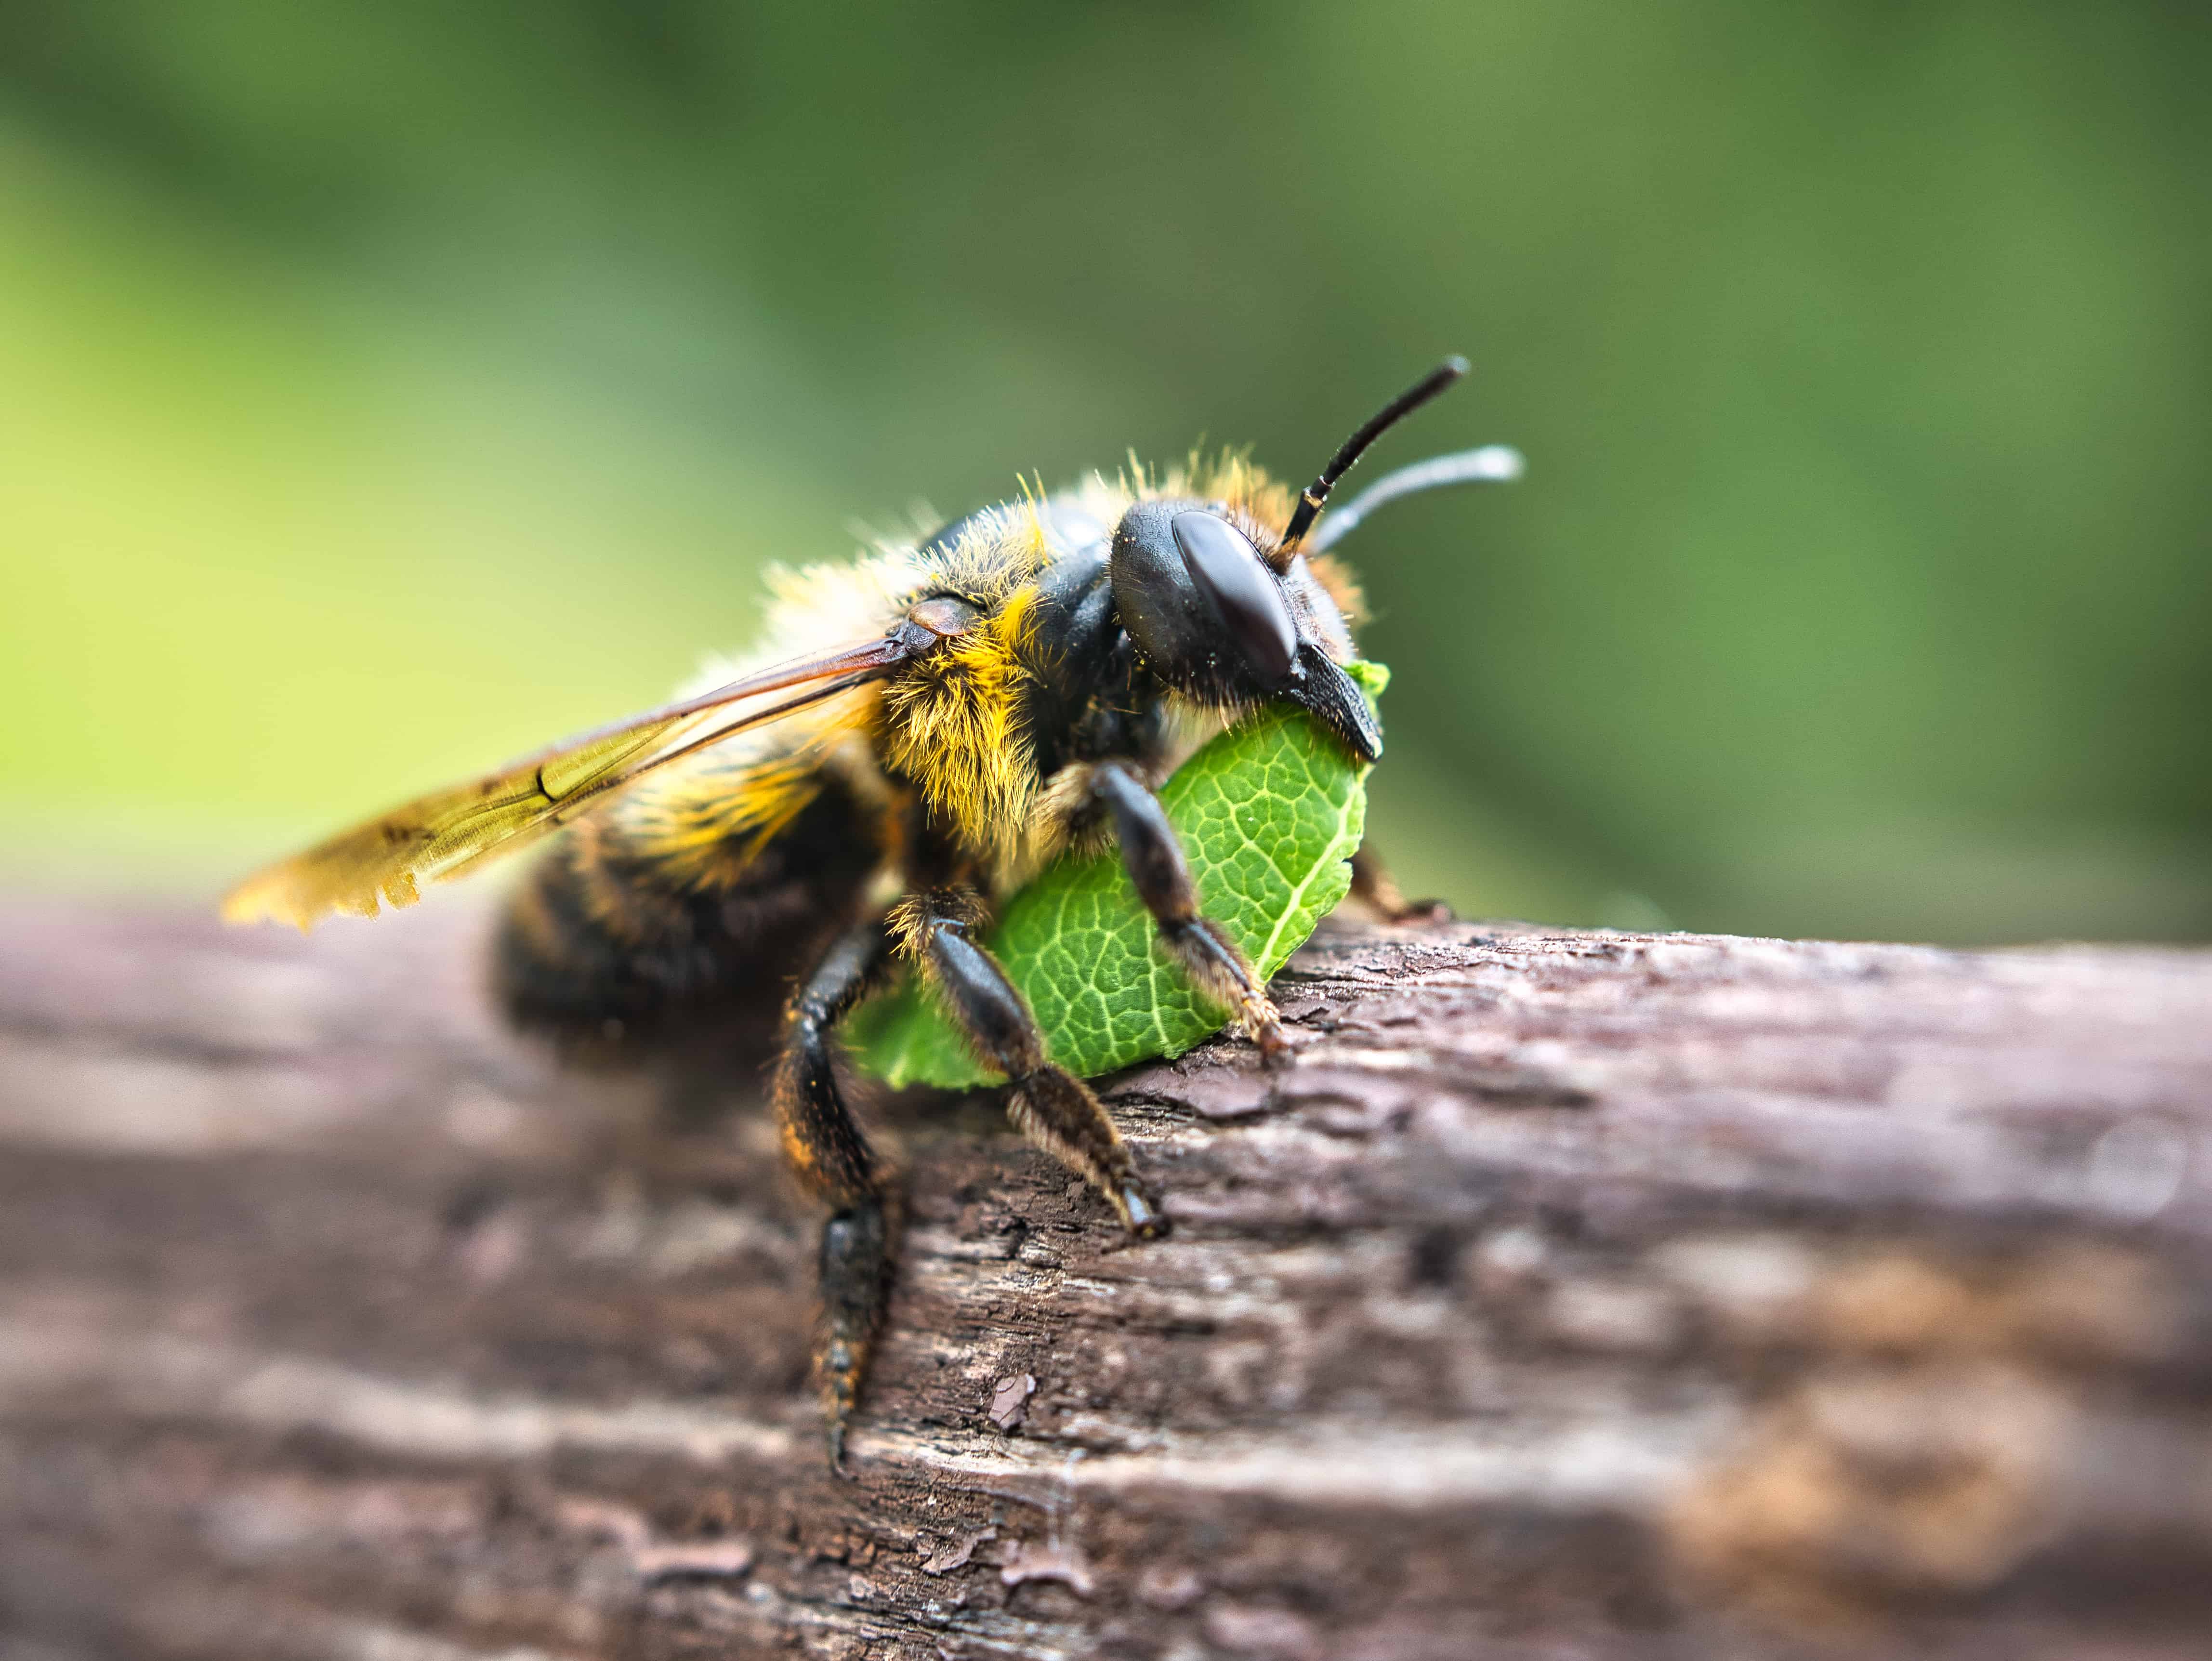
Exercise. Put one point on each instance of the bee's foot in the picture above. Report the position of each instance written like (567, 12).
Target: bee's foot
(1413, 914)
(1264, 1026)
(840, 1388)
(1273, 1041)
(1140, 1211)
(855, 1278)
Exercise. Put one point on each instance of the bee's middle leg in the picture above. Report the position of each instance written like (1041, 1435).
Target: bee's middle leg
(1050, 1106)
(827, 1149)
(1156, 864)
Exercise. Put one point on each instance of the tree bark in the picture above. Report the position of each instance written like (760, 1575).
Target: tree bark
(1574, 1294)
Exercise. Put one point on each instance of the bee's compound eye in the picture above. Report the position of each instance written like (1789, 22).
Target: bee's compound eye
(1229, 571)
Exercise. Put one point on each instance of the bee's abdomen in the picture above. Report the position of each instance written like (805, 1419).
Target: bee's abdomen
(605, 939)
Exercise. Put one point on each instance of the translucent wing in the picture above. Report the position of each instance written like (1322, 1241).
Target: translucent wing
(449, 832)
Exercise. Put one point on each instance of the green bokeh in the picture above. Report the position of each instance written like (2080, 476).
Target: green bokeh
(383, 390)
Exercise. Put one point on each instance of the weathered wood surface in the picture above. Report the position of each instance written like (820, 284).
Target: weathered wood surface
(1576, 1294)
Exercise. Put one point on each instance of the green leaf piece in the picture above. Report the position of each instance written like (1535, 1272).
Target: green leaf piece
(1269, 813)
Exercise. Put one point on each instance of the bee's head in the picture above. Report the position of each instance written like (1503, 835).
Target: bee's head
(1214, 618)
(1228, 611)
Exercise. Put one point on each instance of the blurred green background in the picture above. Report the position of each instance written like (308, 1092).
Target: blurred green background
(384, 390)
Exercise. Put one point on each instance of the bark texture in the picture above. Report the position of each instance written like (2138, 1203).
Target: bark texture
(1575, 1294)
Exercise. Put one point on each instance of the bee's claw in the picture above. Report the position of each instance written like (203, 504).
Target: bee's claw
(1415, 913)
(1266, 1029)
(1140, 1212)
(1264, 1026)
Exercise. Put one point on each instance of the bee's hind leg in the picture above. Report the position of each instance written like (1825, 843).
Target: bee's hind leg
(831, 1155)
(1156, 864)
(1374, 887)
(1051, 1107)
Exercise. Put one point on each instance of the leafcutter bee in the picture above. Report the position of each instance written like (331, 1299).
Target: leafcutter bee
(928, 729)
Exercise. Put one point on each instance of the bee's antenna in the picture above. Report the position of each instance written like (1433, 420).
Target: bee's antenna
(1493, 464)
(1311, 499)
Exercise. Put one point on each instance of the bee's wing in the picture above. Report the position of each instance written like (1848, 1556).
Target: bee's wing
(448, 832)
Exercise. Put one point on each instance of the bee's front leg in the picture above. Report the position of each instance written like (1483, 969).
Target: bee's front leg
(1156, 864)
(1050, 1106)
(831, 1155)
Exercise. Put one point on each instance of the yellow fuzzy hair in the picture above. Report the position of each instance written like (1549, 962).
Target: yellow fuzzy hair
(953, 723)
(1260, 503)
(910, 918)
(705, 828)
(994, 559)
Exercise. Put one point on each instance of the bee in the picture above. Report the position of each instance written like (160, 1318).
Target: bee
(931, 725)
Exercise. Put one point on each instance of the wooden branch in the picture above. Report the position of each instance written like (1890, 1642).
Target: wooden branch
(1576, 1294)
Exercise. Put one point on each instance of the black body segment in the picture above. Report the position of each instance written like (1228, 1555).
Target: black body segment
(600, 943)
(1320, 688)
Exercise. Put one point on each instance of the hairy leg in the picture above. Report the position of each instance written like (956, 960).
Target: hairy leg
(1051, 1108)
(1156, 864)
(831, 1155)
